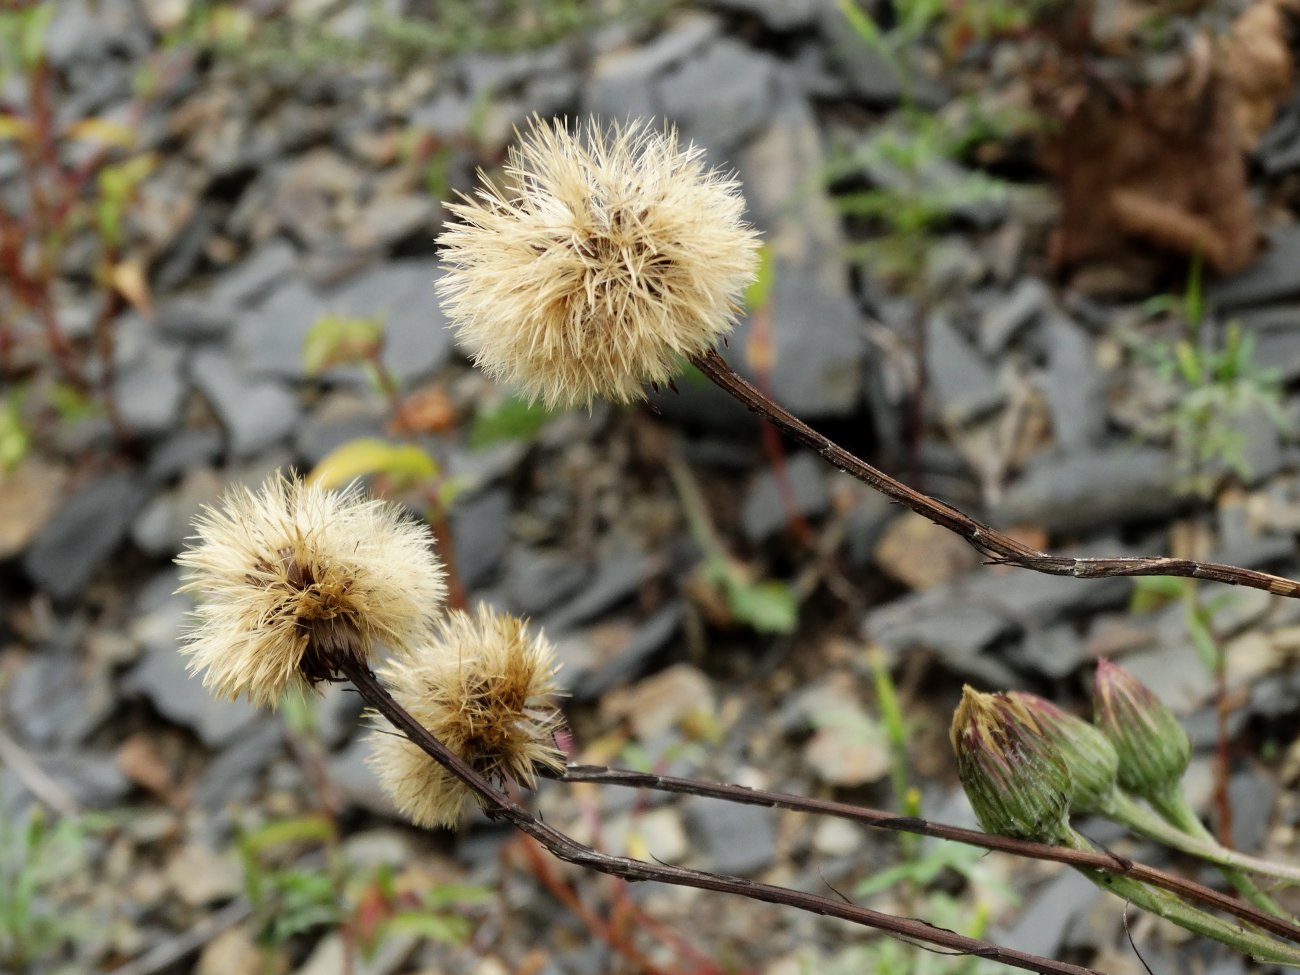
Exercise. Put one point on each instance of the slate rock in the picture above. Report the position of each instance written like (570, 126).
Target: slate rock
(616, 578)
(868, 75)
(963, 384)
(85, 532)
(151, 392)
(255, 413)
(269, 339)
(536, 580)
(188, 447)
(29, 497)
(1252, 795)
(764, 512)
(740, 83)
(739, 840)
(231, 778)
(269, 266)
(620, 86)
(55, 699)
(1271, 278)
(162, 675)
(1075, 386)
(401, 295)
(92, 779)
(631, 659)
(194, 319)
(779, 15)
(956, 633)
(339, 417)
(351, 773)
(1042, 926)
(1082, 491)
(480, 529)
(1008, 315)
(167, 520)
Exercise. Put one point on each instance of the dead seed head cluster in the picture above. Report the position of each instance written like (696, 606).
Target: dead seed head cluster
(292, 576)
(486, 689)
(599, 262)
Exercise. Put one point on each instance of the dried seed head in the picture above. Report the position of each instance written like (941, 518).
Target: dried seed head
(292, 577)
(486, 689)
(1017, 785)
(597, 264)
(1084, 749)
(1152, 746)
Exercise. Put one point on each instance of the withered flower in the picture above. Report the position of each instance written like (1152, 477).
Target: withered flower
(484, 687)
(600, 261)
(292, 577)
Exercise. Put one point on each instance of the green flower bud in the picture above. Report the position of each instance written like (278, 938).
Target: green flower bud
(1086, 752)
(1016, 784)
(1153, 748)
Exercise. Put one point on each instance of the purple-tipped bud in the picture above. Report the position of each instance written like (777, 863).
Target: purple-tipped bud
(1016, 784)
(1085, 750)
(1152, 747)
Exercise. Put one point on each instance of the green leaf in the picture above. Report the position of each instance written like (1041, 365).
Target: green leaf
(513, 418)
(447, 895)
(282, 832)
(405, 463)
(767, 606)
(15, 440)
(335, 340)
(448, 929)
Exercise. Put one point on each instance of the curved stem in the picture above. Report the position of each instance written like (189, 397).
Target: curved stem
(1076, 856)
(997, 546)
(1175, 808)
(1127, 811)
(498, 805)
(1166, 905)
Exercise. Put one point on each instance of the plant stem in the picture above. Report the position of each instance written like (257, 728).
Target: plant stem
(498, 805)
(1174, 807)
(1128, 812)
(1163, 904)
(997, 546)
(1100, 861)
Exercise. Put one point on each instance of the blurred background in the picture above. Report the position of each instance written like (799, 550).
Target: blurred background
(1040, 260)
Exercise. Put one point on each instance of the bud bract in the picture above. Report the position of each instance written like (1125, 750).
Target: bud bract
(1152, 746)
(1085, 750)
(1017, 785)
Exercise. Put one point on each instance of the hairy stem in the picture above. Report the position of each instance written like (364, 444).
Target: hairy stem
(498, 805)
(1090, 858)
(997, 546)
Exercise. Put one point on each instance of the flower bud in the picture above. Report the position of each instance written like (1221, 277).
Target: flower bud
(1086, 752)
(1017, 785)
(1153, 748)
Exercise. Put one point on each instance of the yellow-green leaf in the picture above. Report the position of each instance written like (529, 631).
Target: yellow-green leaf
(335, 340)
(405, 463)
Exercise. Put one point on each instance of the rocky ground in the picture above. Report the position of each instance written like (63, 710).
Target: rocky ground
(286, 189)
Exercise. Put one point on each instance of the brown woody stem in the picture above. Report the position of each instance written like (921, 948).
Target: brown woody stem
(1103, 862)
(1000, 548)
(498, 805)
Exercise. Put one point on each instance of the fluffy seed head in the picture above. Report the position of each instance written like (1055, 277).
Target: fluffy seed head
(1152, 746)
(292, 576)
(597, 263)
(1017, 785)
(484, 687)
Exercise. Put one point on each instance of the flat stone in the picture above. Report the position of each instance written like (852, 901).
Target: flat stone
(1042, 925)
(868, 75)
(1252, 795)
(620, 86)
(632, 656)
(89, 526)
(168, 519)
(151, 392)
(200, 875)
(194, 319)
(735, 839)
(401, 296)
(740, 83)
(1075, 386)
(350, 771)
(163, 678)
(843, 754)
(963, 384)
(659, 833)
(658, 704)
(231, 779)
(55, 699)
(254, 276)
(780, 15)
(269, 339)
(616, 578)
(255, 413)
(1080, 492)
(1270, 279)
(764, 510)
(1006, 317)
(536, 580)
(480, 530)
(1055, 652)
(956, 633)
(340, 416)
(920, 554)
